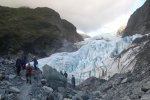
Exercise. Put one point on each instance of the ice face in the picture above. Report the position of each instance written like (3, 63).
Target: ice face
(93, 58)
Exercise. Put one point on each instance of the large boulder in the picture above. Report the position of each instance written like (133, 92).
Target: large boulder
(54, 78)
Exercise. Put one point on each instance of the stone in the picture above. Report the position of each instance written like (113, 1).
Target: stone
(11, 96)
(43, 81)
(47, 89)
(124, 80)
(146, 86)
(61, 90)
(125, 98)
(53, 77)
(8, 83)
(67, 99)
(2, 76)
(60, 96)
(146, 97)
(11, 76)
(33, 99)
(50, 97)
(97, 94)
(82, 94)
(14, 90)
(2, 97)
(76, 98)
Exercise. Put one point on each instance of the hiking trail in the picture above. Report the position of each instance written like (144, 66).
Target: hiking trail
(25, 91)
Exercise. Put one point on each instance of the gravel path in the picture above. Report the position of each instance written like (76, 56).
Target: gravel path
(25, 91)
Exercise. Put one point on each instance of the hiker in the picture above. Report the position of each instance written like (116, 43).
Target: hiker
(35, 63)
(24, 61)
(65, 74)
(73, 81)
(28, 73)
(18, 66)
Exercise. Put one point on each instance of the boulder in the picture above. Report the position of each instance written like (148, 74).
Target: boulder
(2, 97)
(76, 98)
(97, 94)
(146, 97)
(146, 86)
(67, 99)
(7, 82)
(125, 98)
(14, 90)
(11, 76)
(61, 90)
(43, 81)
(53, 77)
(2, 76)
(47, 89)
(50, 97)
(59, 96)
(124, 80)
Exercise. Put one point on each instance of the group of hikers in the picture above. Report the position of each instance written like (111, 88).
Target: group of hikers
(72, 78)
(23, 64)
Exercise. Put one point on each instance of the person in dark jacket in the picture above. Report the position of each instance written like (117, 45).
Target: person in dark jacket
(24, 61)
(18, 66)
(35, 63)
(28, 73)
(65, 74)
(73, 81)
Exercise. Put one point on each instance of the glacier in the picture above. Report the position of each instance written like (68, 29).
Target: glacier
(93, 57)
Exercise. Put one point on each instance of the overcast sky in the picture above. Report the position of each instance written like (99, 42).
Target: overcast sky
(89, 16)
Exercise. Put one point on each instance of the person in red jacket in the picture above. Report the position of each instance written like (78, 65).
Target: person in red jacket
(28, 73)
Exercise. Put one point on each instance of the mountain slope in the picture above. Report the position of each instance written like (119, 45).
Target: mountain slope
(36, 30)
(139, 22)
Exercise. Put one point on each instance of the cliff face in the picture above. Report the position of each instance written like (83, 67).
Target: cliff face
(38, 30)
(139, 21)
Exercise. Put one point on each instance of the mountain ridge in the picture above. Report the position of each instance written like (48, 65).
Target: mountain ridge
(139, 21)
(37, 31)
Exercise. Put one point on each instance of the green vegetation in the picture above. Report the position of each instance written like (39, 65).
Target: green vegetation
(20, 27)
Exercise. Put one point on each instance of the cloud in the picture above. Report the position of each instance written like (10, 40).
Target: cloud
(86, 15)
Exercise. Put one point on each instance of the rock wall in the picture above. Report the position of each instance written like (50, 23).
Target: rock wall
(139, 21)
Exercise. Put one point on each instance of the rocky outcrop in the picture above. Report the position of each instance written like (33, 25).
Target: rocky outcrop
(90, 83)
(40, 31)
(54, 78)
(139, 21)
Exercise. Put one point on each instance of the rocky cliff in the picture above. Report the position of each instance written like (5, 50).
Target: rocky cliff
(139, 21)
(40, 31)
